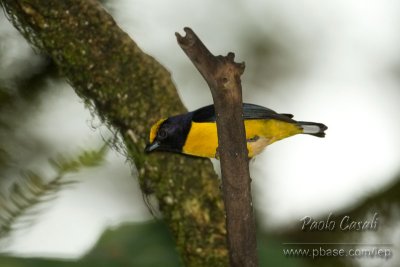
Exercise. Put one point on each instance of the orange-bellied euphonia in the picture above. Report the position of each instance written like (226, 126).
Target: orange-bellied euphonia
(195, 133)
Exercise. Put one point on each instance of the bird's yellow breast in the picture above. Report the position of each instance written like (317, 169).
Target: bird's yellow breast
(202, 139)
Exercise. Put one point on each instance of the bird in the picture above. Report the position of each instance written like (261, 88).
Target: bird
(195, 133)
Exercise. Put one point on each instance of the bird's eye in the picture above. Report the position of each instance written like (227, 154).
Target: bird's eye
(162, 134)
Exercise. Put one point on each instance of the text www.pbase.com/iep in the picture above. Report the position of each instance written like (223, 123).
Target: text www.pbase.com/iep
(320, 252)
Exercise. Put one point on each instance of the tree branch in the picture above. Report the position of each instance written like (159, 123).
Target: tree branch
(223, 77)
(130, 91)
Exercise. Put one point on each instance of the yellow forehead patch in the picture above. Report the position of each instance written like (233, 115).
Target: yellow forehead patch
(154, 129)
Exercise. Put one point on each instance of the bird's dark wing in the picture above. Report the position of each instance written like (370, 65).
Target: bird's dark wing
(250, 111)
(204, 114)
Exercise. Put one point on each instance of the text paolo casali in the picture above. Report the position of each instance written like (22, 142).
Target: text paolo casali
(345, 223)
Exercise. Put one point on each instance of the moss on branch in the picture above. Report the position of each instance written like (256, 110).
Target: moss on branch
(129, 90)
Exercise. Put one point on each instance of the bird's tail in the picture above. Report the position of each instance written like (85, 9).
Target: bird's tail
(313, 128)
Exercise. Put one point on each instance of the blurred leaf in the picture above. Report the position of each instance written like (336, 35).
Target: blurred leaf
(134, 245)
(87, 158)
(5, 97)
(270, 253)
(146, 244)
(33, 189)
(3, 157)
(92, 158)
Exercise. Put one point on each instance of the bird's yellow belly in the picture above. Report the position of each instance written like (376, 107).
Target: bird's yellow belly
(202, 139)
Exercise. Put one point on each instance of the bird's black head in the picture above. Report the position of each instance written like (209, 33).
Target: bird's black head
(169, 134)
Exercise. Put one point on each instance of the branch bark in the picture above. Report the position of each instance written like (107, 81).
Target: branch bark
(223, 77)
(129, 91)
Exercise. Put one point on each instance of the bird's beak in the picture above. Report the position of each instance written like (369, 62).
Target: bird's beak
(152, 147)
